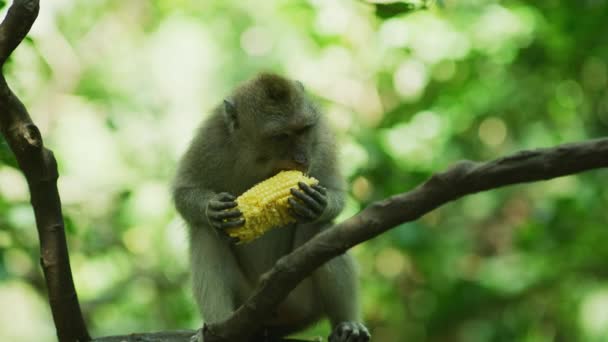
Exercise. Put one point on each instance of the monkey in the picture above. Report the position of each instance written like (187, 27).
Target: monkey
(266, 125)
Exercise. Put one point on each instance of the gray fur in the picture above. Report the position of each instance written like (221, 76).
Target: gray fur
(230, 153)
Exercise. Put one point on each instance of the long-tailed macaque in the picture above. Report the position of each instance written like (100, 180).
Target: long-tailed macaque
(266, 125)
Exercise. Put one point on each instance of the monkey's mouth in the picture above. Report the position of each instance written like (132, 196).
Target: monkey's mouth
(288, 166)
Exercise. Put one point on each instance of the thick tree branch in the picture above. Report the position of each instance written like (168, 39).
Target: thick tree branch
(40, 170)
(464, 178)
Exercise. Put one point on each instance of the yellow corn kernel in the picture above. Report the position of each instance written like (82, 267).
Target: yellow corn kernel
(265, 205)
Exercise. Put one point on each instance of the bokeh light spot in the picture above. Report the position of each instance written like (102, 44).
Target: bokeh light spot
(569, 94)
(410, 79)
(595, 75)
(593, 314)
(362, 188)
(391, 262)
(257, 41)
(394, 33)
(492, 131)
(13, 186)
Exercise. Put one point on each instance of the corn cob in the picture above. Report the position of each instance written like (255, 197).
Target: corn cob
(265, 205)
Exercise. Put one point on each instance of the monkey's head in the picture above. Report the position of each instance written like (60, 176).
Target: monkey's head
(273, 123)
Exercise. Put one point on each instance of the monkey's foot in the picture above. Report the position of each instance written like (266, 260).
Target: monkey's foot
(349, 332)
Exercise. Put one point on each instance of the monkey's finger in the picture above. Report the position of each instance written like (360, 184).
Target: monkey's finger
(361, 333)
(319, 188)
(299, 218)
(314, 193)
(365, 335)
(304, 186)
(222, 215)
(217, 205)
(338, 335)
(231, 224)
(321, 198)
(356, 336)
(301, 210)
(309, 201)
(346, 333)
(296, 215)
(225, 196)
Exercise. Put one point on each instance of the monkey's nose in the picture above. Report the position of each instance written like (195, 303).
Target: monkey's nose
(300, 158)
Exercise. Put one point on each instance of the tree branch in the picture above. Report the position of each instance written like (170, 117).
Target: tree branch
(40, 169)
(465, 178)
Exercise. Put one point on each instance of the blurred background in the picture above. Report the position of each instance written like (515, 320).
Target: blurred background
(117, 88)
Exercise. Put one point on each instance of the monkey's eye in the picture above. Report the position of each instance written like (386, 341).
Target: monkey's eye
(280, 137)
(304, 129)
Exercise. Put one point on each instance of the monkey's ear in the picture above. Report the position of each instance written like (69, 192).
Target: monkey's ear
(230, 114)
(300, 85)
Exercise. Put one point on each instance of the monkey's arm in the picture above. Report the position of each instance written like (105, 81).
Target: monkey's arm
(204, 207)
(335, 192)
(335, 203)
(191, 203)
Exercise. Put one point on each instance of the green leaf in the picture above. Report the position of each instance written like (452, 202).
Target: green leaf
(386, 11)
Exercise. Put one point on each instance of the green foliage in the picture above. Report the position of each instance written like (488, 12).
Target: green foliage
(389, 10)
(117, 88)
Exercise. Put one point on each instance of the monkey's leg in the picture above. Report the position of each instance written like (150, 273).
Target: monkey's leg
(336, 283)
(218, 282)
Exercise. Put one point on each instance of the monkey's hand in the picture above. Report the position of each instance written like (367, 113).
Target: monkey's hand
(308, 202)
(222, 213)
(349, 332)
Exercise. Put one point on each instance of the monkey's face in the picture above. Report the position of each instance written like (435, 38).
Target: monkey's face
(286, 144)
(275, 125)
